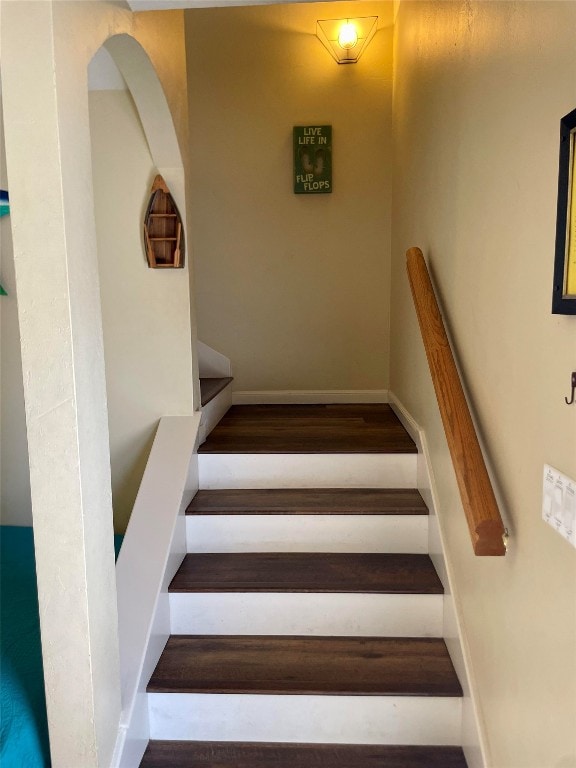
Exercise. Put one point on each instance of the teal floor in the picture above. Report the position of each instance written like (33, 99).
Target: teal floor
(23, 726)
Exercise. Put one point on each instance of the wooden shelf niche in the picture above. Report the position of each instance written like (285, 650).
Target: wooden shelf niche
(163, 235)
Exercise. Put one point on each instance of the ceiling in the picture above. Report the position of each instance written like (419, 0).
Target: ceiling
(165, 5)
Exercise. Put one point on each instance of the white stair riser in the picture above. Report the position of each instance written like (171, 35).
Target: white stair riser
(307, 533)
(337, 470)
(296, 718)
(306, 614)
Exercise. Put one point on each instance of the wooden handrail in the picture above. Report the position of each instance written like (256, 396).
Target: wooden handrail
(484, 521)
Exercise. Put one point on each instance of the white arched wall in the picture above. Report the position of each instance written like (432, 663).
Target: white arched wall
(145, 312)
(46, 48)
(148, 94)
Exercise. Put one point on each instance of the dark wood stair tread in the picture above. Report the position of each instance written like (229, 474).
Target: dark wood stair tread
(305, 665)
(309, 501)
(307, 572)
(207, 754)
(362, 428)
(210, 387)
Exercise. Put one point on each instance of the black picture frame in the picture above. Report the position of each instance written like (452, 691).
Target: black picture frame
(563, 302)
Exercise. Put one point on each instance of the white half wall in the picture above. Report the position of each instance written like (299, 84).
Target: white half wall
(158, 529)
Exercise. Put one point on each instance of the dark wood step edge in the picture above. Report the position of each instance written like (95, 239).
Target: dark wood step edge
(211, 387)
(297, 665)
(230, 754)
(307, 572)
(308, 501)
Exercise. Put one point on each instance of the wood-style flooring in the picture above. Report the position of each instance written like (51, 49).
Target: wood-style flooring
(202, 754)
(305, 665)
(309, 501)
(307, 572)
(363, 428)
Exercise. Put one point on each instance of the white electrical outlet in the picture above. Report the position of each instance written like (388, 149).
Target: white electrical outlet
(559, 503)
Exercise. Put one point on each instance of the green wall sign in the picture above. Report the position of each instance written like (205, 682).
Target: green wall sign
(312, 159)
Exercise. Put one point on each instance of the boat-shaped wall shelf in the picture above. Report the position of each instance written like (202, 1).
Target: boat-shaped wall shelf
(163, 235)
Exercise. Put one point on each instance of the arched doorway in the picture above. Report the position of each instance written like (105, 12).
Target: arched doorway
(44, 59)
(145, 312)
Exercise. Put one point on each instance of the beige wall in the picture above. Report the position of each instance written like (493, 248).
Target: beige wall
(293, 288)
(479, 91)
(15, 507)
(143, 310)
(133, 297)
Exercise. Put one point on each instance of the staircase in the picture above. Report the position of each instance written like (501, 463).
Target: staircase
(306, 617)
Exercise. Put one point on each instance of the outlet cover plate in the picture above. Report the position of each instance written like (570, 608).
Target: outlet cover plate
(559, 503)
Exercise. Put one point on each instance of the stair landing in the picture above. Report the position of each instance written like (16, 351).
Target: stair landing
(308, 446)
(339, 428)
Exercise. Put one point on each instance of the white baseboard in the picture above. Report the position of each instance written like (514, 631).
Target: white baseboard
(473, 736)
(214, 411)
(309, 396)
(408, 422)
